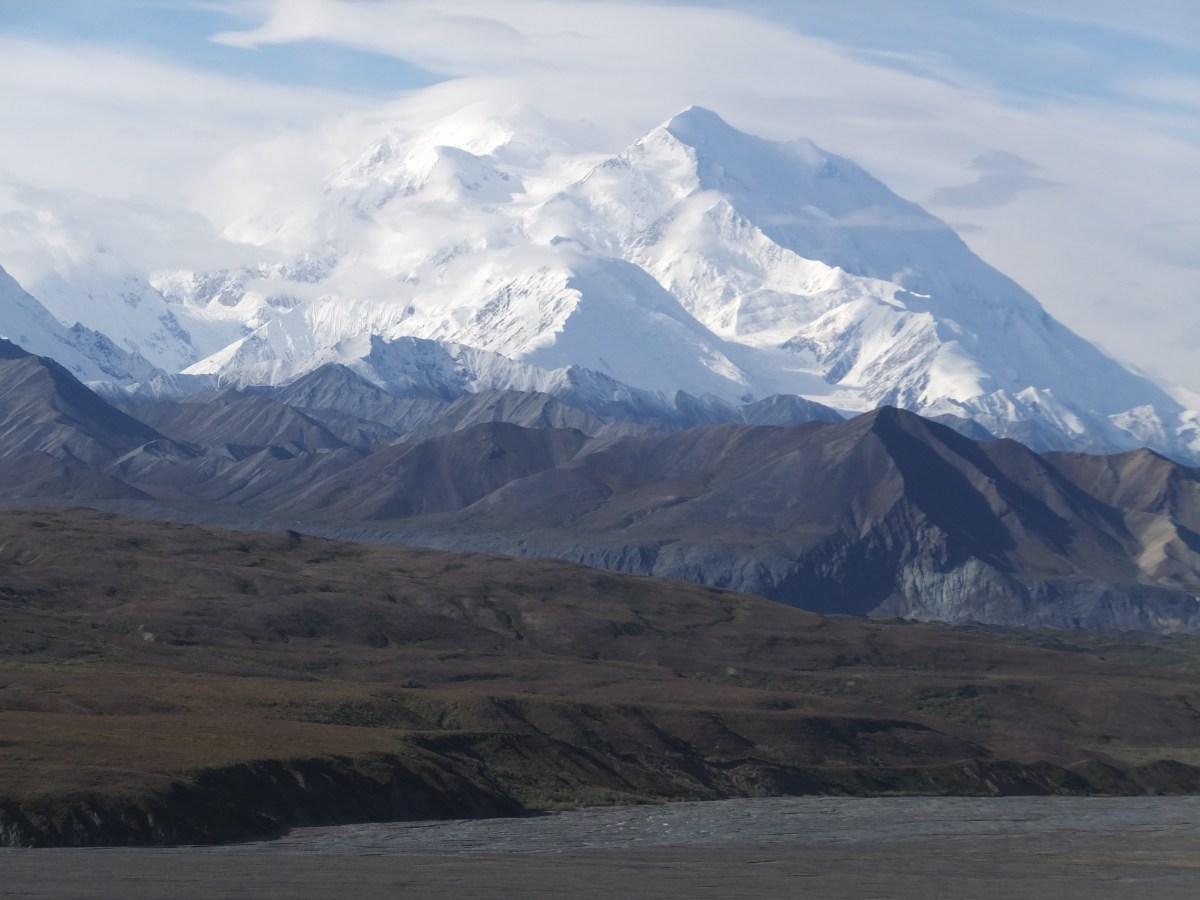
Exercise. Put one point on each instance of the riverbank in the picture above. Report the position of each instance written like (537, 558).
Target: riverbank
(1094, 848)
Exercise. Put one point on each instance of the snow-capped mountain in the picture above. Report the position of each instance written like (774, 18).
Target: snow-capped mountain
(127, 309)
(88, 354)
(786, 247)
(699, 259)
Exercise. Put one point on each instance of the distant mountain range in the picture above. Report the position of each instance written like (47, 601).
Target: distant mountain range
(699, 271)
(885, 514)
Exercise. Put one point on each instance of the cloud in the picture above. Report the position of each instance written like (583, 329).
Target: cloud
(1169, 22)
(1003, 177)
(44, 230)
(1174, 243)
(100, 119)
(419, 32)
(1172, 91)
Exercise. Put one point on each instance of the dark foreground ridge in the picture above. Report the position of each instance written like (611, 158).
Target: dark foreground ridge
(165, 684)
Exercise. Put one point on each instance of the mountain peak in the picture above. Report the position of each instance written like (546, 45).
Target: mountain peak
(705, 130)
(697, 118)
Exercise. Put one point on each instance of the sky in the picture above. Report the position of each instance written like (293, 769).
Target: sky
(1062, 140)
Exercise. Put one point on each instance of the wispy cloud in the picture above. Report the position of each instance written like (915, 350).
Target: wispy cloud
(1169, 22)
(99, 118)
(418, 31)
(1175, 243)
(1002, 177)
(1179, 91)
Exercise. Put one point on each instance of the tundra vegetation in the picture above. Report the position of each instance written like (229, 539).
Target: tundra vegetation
(165, 683)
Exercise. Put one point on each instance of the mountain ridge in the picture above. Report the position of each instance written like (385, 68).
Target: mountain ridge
(887, 514)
